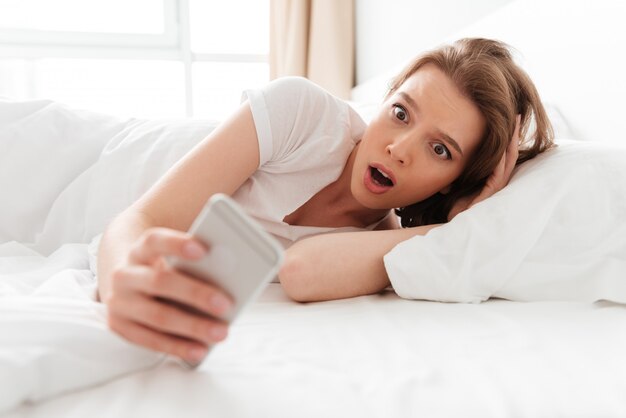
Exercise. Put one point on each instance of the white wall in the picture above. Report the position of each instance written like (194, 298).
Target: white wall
(572, 50)
(418, 24)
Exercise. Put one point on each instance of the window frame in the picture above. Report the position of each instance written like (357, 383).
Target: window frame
(168, 38)
(173, 44)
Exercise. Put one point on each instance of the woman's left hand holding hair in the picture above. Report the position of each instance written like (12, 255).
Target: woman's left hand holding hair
(497, 180)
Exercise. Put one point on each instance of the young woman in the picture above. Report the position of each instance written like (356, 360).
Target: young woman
(304, 164)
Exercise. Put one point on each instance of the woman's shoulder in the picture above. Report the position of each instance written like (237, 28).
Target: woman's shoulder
(303, 89)
(294, 81)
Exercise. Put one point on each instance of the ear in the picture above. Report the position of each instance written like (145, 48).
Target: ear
(446, 189)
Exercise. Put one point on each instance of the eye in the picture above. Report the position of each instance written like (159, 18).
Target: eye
(441, 151)
(400, 113)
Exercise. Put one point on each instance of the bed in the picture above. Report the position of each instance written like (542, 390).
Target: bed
(533, 328)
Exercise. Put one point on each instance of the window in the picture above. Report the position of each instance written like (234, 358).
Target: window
(140, 58)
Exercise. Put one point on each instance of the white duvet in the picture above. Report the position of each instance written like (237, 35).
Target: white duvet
(53, 335)
(64, 174)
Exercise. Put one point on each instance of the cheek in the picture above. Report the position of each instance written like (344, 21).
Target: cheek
(366, 139)
(432, 178)
(376, 128)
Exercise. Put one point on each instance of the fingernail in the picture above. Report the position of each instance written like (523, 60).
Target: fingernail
(220, 303)
(197, 353)
(218, 333)
(193, 249)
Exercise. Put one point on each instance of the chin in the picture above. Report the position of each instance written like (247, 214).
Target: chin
(370, 200)
(373, 202)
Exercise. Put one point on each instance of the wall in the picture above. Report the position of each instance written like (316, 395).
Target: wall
(571, 49)
(419, 24)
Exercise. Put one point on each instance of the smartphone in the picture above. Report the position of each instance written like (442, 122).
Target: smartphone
(242, 258)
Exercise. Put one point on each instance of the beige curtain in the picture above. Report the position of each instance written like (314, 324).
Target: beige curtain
(314, 39)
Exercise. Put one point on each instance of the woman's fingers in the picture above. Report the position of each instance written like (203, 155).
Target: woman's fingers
(512, 151)
(157, 341)
(159, 307)
(502, 173)
(158, 242)
(500, 176)
(163, 317)
(164, 282)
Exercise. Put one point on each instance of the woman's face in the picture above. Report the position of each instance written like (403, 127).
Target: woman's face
(418, 144)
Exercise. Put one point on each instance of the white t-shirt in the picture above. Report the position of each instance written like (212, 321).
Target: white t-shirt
(305, 137)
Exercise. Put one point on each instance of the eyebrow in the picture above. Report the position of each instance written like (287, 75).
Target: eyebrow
(445, 136)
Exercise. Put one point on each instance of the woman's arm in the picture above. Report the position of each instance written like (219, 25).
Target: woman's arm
(220, 163)
(133, 278)
(341, 265)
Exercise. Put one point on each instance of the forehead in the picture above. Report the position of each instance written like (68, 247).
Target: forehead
(433, 84)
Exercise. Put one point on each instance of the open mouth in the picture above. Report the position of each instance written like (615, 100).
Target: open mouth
(380, 178)
(377, 181)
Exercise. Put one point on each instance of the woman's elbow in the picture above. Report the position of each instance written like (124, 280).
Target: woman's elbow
(294, 280)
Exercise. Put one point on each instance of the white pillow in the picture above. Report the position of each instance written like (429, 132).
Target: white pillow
(556, 232)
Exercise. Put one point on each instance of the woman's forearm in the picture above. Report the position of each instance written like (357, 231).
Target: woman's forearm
(118, 237)
(341, 265)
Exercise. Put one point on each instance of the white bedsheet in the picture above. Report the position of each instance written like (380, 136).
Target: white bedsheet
(382, 356)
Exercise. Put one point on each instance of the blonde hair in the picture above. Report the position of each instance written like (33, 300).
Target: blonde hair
(484, 71)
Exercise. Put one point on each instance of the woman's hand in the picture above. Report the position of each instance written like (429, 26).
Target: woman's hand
(497, 180)
(143, 288)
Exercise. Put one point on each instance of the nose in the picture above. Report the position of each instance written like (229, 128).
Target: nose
(399, 150)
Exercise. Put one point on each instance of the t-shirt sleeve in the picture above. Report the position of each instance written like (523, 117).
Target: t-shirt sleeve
(287, 112)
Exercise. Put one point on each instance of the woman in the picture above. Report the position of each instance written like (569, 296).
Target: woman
(303, 163)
